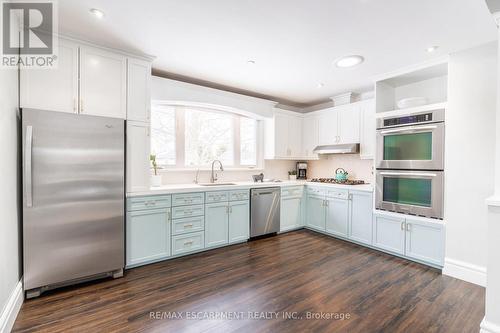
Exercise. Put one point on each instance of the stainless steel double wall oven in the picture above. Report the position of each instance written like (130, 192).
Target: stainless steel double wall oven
(410, 164)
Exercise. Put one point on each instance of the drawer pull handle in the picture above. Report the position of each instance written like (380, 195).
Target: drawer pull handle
(190, 225)
(188, 243)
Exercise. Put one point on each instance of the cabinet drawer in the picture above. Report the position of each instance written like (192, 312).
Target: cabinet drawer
(190, 224)
(291, 191)
(183, 199)
(336, 193)
(187, 211)
(219, 196)
(315, 190)
(142, 203)
(188, 243)
(239, 195)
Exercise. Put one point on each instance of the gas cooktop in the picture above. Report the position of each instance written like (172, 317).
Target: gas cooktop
(340, 182)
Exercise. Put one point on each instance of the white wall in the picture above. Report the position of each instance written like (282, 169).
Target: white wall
(469, 162)
(10, 261)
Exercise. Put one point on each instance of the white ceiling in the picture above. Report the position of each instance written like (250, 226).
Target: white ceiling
(293, 42)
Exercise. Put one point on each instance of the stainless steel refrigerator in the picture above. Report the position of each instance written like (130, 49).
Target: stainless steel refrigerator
(73, 198)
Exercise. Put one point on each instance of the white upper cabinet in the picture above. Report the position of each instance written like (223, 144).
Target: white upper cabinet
(348, 123)
(53, 89)
(328, 127)
(283, 136)
(310, 136)
(138, 148)
(103, 83)
(367, 129)
(138, 90)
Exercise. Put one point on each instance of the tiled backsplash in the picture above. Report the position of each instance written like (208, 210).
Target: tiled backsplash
(326, 166)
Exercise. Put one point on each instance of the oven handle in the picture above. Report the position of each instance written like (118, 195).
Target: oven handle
(408, 129)
(416, 174)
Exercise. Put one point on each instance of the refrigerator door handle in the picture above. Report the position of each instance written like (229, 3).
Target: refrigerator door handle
(27, 166)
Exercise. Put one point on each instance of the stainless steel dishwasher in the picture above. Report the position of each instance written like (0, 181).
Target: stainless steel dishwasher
(264, 211)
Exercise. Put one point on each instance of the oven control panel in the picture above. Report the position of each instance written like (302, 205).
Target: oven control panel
(419, 118)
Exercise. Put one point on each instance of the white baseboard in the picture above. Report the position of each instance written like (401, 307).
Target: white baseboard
(465, 271)
(9, 313)
(488, 327)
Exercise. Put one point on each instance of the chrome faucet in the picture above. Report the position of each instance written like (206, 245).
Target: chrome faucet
(213, 177)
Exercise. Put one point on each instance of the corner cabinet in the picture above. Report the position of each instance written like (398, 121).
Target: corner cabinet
(292, 208)
(283, 136)
(361, 216)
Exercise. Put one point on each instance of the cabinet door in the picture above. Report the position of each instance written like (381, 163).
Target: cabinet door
(361, 217)
(348, 123)
(294, 136)
(138, 141)
(337, 216)
(389, 234)
(148, 235)
(367, 130)
(216, 224)
(315, 213)
(281, 135)
(328, 127)
(53, 89)
(291, 213)
(103, 83)
(239, 221)
(310, 136)
(138, 90)
(425, 241)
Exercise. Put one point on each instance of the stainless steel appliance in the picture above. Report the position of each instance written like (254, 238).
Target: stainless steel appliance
(339, 182)
(410, 164)
(410, 192)
(264, 211)
(346, 148)
(412, 142)
(301, 170)
(73, 198)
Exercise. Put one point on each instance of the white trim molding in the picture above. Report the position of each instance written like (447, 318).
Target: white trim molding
(11, 310)
(465, 271)
(493, 200)
(489, 327)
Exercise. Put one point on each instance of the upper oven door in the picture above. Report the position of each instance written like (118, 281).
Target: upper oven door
(417, 147)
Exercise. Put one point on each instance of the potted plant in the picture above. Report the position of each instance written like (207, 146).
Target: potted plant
(155, 177)
(292, 175)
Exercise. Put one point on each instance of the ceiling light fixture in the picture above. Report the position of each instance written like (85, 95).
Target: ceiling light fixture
(321, 85)
(97, 13)
(349, 61)
(431, 49)
(251, 62)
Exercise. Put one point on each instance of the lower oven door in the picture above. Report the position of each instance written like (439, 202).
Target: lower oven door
(410, 192)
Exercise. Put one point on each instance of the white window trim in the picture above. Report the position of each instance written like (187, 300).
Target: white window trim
(180, 136)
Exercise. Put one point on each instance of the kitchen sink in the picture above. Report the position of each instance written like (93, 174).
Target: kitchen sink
(217, 184)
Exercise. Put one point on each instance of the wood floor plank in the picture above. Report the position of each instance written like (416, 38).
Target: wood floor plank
(295, 273)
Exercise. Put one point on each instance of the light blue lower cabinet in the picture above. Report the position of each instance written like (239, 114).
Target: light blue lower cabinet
(361, 217)
(216, 224)
(337, 216)
(187, 243)
(239, 221)
(148, 236)
(425, 241)
(291, 211)
(315, 212)
(389, 234)
(187, 225)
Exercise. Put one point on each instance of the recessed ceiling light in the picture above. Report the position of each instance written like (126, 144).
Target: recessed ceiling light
(97, 13)
(251, 62)
(349, 61)
(321, 85)
(431, 49)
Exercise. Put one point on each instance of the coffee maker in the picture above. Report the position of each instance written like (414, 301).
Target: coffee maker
(301, 170)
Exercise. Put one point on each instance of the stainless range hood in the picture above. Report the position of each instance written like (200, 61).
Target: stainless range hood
(348, 148)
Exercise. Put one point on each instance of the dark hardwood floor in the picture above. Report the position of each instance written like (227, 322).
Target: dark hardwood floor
(295, 273)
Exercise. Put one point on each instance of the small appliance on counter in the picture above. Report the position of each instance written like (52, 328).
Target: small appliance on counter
(301, 170)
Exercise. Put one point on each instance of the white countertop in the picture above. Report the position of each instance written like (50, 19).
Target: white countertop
(186, 188)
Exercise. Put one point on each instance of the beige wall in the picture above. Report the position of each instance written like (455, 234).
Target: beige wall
(326, 166)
